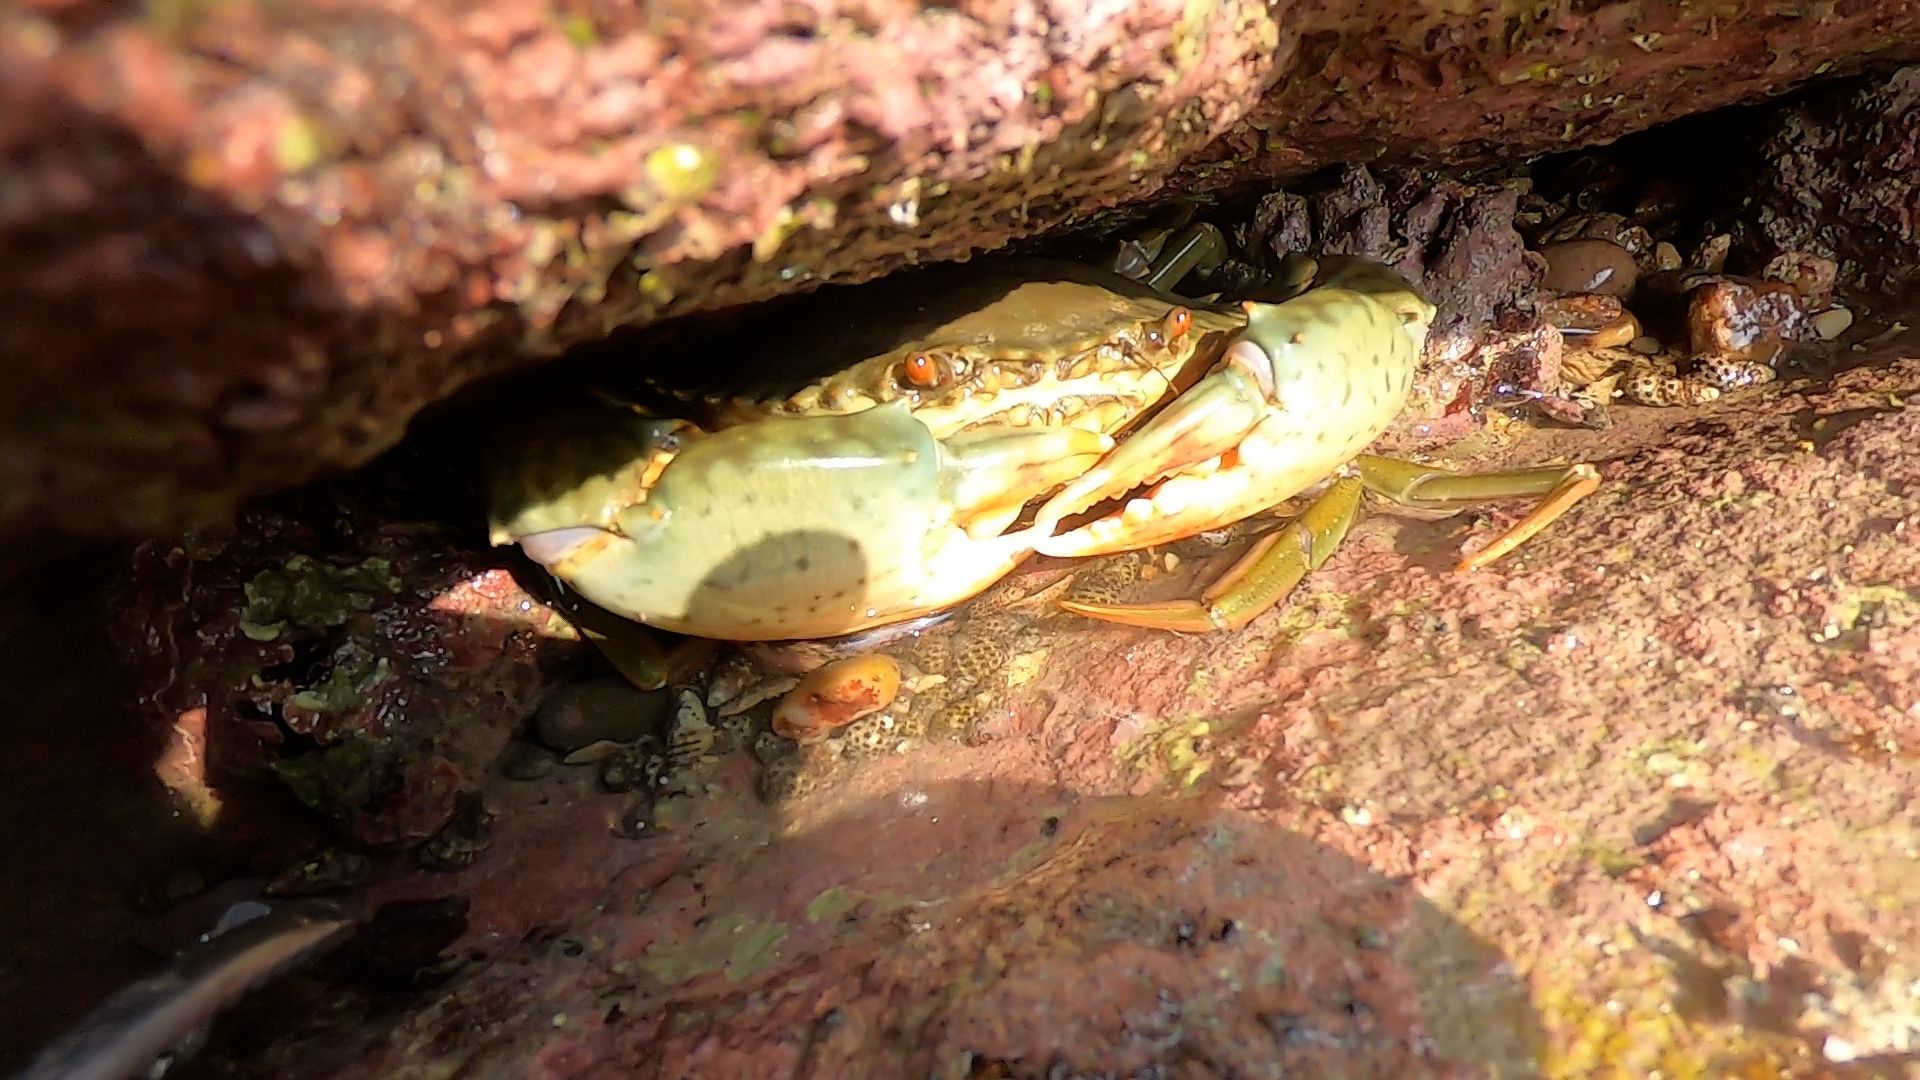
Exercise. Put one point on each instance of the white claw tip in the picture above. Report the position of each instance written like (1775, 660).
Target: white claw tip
(552, 547)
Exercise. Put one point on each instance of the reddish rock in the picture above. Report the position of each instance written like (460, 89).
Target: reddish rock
(1632, 799)
(1745, 322)
(1836, 177)
(371, 667)
(248, 241)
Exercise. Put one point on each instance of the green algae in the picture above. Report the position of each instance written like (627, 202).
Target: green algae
(307, 594)
(736, 946)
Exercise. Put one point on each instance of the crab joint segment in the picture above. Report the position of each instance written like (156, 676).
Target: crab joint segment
(1428, 488)
(1278, 561)
(1208, 421)
(1258, 580)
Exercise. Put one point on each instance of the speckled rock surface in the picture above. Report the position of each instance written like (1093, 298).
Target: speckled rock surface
(1637, 799)
(247, 241)
(360, 660)
(1839, 174)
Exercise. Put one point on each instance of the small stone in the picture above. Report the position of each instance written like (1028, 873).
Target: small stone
(1812, 276)
(594, 753)
(764, 690)
(1711, 255)
(609, 709)
(770, 747)
(1591, 321)
(1664, 763)
(1743, 322)
(1645, 345)
(523, 760)
(1832, 322)
(729, 679)
(1589, 266)
(171, 888)
(1666, 256)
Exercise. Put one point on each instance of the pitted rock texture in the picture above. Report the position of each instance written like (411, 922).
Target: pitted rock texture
(1632, 800)
(246, 242)
(1840, 176)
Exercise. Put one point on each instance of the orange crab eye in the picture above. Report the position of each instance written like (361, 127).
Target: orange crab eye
(1177, 323)
(922, 370)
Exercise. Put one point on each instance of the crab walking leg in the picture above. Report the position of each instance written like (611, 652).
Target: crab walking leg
(1196, 246)
(1425, 487)
(1259, 580)
(1275, 564)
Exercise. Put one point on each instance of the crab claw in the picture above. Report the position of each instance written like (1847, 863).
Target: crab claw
(1207, 421)
(1308, 384)
(997, 471)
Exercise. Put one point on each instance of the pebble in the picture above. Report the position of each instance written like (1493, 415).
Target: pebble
(462, 840)
(1589, 266)
(1591, 320)
(1832, 322)
(1711, 255)
(603, 710)
(622, 772)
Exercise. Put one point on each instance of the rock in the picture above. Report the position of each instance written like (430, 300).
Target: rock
(1835, 177)
(1589, 266)
(363, 661)
(1742, 322)
(603, 710)
(248, 242)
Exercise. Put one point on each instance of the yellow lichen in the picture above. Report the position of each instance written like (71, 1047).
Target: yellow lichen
(682, 171)
(297, 147)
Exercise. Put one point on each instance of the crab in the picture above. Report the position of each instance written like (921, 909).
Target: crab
(814, 497)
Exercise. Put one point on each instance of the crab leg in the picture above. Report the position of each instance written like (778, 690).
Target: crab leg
(1260, 579)
(1192, 248)
(1423, 487)
(1278, 561)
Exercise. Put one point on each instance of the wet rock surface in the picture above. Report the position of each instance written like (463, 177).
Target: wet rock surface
(406, 198)
(362, 661)
(1635, 798)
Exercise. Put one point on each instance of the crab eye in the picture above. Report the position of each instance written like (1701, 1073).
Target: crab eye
(1177, 323)
(923, 370)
